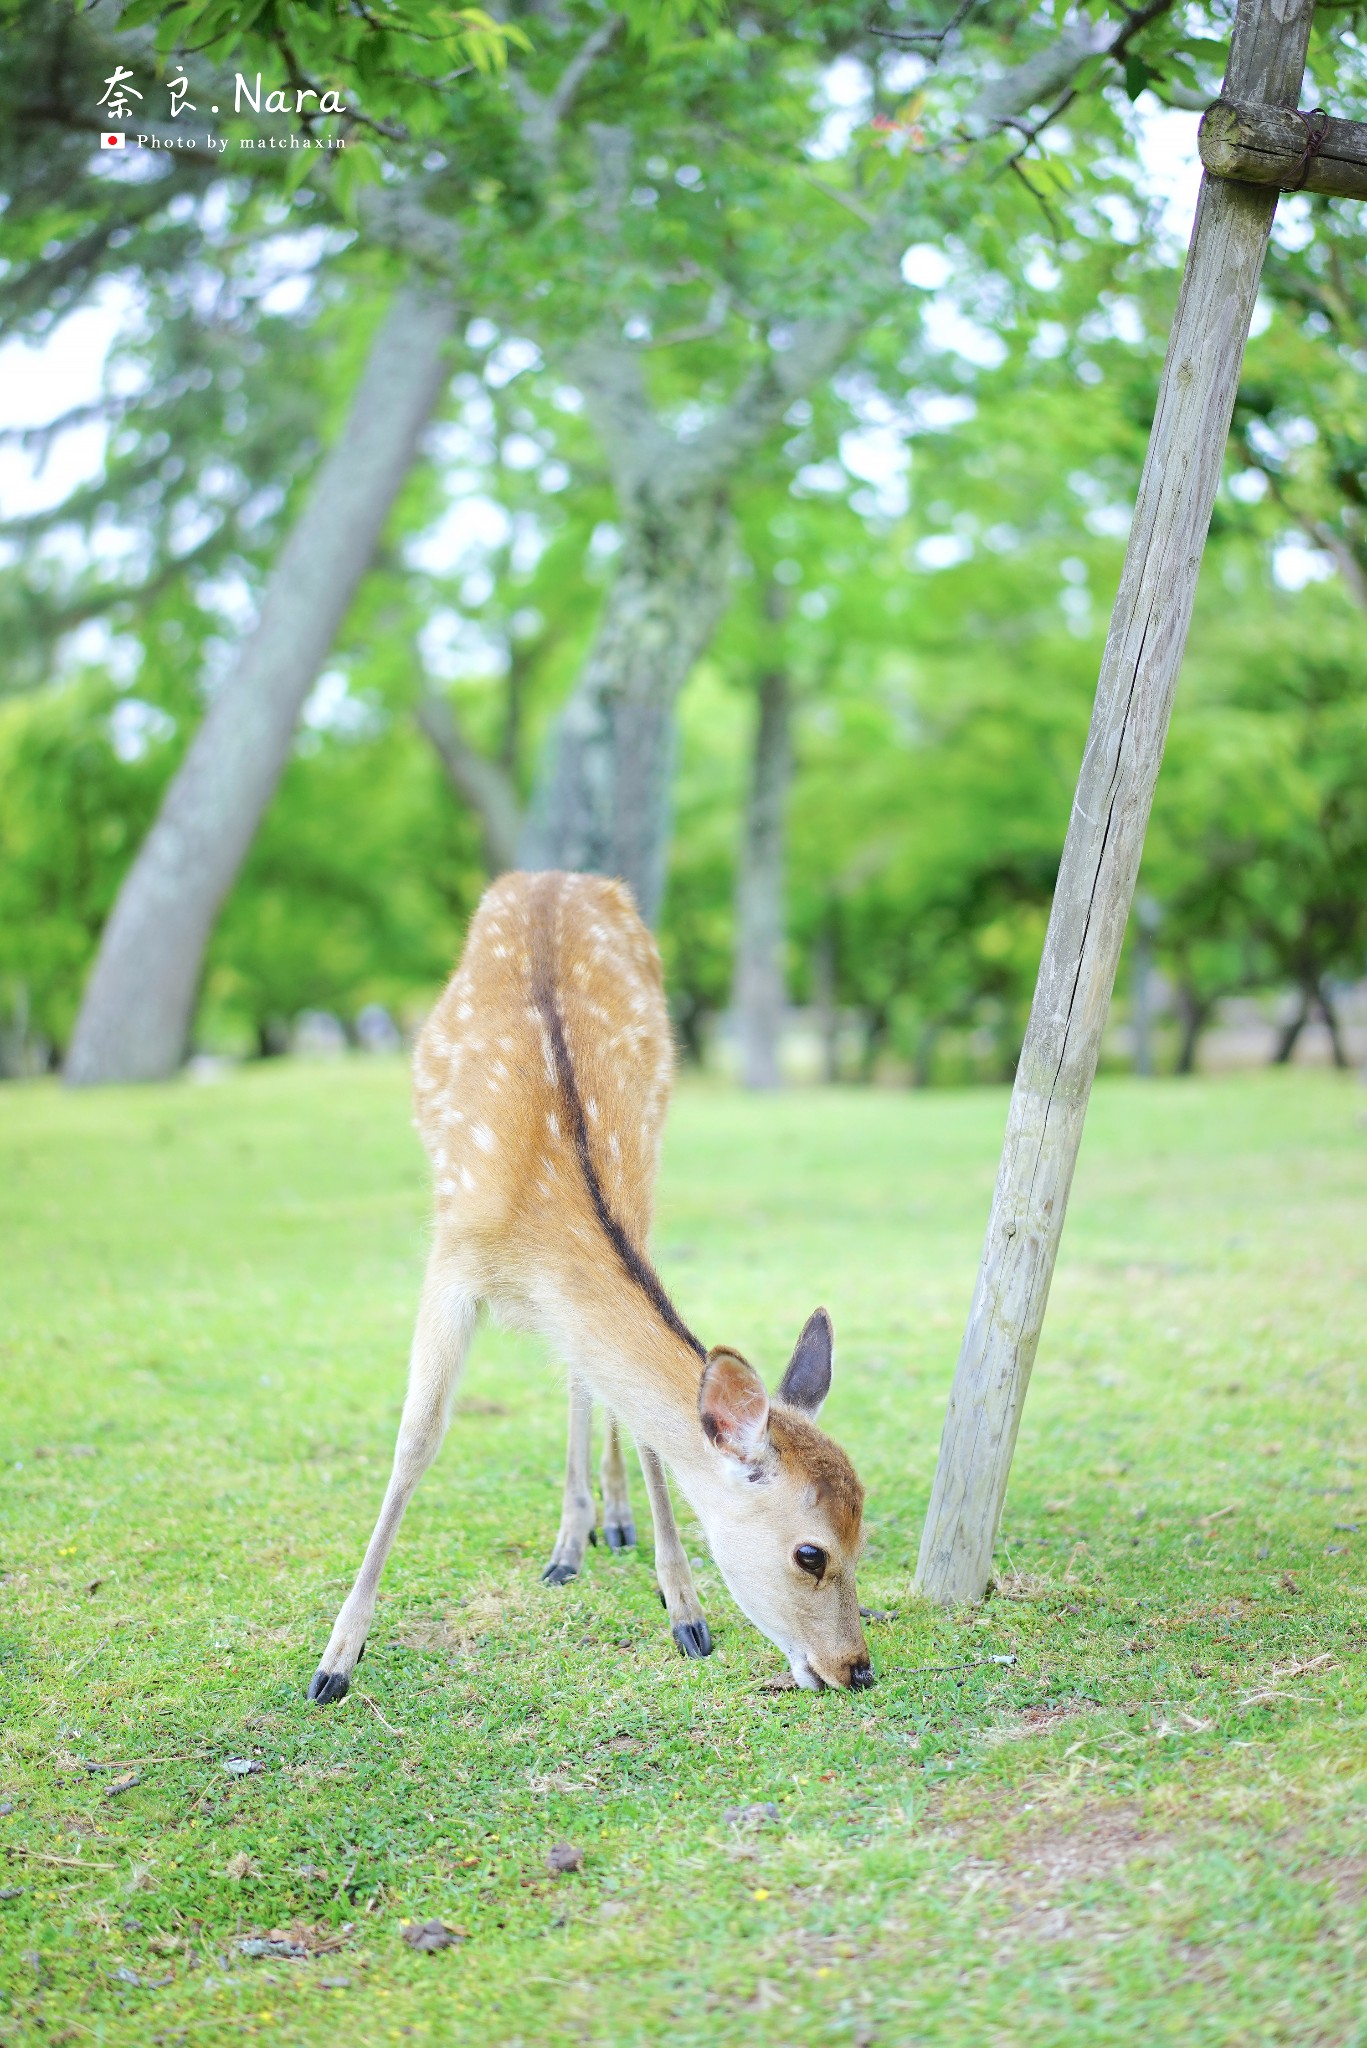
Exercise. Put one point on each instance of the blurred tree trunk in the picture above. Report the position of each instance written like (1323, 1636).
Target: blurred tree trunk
(876, 1020)
(1193, 1013)
(824, 997)
(758, 990)
(1290, 1032)
(135, 1018)
(923, 1066)
(602, 802)
(486, 786)
(1147, 917)
(1331, 1024)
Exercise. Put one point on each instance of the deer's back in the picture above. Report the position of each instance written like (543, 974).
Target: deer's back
(542, 1076)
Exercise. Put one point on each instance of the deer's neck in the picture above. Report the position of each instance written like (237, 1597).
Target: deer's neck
(614, 1336)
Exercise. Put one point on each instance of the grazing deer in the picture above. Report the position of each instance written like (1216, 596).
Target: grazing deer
(541, 1083)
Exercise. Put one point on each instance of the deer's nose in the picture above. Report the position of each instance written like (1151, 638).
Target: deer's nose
(862, 1676)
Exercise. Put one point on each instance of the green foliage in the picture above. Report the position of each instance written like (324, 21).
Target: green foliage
(71, 817)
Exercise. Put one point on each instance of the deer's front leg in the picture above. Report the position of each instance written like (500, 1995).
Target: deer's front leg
(619, 1526)
(577, 1511)
(446, 1320)
(689, 1629)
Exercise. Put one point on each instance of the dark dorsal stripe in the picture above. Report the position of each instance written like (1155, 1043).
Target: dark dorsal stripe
(634, 1262)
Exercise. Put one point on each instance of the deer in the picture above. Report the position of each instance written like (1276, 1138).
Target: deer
(541, 1081)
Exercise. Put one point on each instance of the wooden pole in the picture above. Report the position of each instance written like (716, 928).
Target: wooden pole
(1106, 832)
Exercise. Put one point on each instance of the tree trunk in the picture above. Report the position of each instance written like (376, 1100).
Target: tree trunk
(923, 1064)
(1291, 1031)
(135, 1018)
(482, 784)
(1193, 1016)
(1146, 919)
(823, 996)
(759, 991)
(1331, 1023)
(875, 1038)
(602, 800)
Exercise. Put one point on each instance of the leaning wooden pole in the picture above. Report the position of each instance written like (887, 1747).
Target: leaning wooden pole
(1106, 832)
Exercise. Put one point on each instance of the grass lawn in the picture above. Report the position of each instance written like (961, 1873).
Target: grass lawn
(1149, 1827)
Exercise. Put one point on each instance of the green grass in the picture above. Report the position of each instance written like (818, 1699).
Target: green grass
(1149, 1828)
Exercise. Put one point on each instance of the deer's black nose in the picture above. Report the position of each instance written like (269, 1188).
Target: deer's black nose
(861, 1677)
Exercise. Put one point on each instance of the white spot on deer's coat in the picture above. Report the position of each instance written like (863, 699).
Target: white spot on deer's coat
(552, 1123)
(446, 1187)
(614, 1147)
(467, 1179)
(463, 1010)
(591, 1109)
(483, 1137)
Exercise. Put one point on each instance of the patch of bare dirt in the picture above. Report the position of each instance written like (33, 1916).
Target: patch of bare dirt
(1021, 1585)
(1039, 1720)
(1042, 1876)
(1094, 1847)
(1343, 1875)
(437, 1635)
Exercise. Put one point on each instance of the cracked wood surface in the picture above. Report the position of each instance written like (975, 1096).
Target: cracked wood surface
(1267, 146)
(1105, 838)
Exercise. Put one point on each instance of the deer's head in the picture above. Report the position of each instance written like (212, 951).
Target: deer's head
(782, 1508)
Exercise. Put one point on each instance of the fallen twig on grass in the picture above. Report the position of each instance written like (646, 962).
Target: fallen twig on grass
(1299, 1668)
(72, 1669)
(62, 1862)
(400, 1732)
(933, 1670)
(133, 1763)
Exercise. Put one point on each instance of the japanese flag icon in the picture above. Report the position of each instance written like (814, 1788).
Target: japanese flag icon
(114, 141)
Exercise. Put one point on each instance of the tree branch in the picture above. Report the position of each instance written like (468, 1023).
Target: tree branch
(641, 452)
(818, 346)
(477, 781)
(543, 113)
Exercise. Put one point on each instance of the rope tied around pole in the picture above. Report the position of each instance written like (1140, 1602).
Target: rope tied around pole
(1316, 125)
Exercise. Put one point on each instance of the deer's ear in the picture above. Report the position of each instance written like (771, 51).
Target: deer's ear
(733, 1406)
(807, 1380)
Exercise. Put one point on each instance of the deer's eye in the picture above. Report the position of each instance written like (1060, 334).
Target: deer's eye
(810, 1558)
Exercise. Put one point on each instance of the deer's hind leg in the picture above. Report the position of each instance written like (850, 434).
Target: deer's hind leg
(678, 1594)
(619, 1526)
(577, 1515)
(446, 1321)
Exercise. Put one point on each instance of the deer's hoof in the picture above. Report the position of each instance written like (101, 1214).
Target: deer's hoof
(619, 1535)
(327, 1686)
(694, 1638)
(559, 1574)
